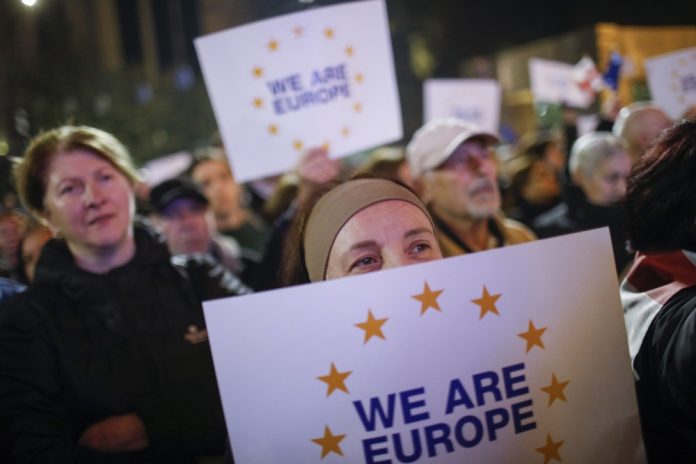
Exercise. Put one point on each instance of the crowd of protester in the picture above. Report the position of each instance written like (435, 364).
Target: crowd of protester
(103, 349)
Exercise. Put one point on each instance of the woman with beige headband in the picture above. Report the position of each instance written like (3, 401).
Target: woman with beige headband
(360, 226)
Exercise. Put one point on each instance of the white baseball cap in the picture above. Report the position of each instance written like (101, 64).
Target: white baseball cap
(433, 143)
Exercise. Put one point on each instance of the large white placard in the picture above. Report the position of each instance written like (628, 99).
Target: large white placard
(672, 81)
(323, 77)
(553, 82)
(507, 356)
(476, 101)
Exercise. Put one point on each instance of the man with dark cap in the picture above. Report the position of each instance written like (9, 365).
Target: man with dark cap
(183, 214)
(455, 173)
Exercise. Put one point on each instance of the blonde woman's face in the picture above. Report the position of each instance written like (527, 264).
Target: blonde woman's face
(88, 201)
(385, 235)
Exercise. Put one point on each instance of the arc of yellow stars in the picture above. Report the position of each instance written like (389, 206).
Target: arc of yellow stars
(556, 390)
(257, 71)
(357, 106)
(258, 102)
(550, 449)
(273, 45)
(533, 336)
(297, 145)
(329, 33)
(298, 31)
(372, 327)
(272, 129)
(359, 78)
(329, 443)
(326, 145)
(428, 298)
(487, 303)
(335, 380)
(345, 131)
(350, 50)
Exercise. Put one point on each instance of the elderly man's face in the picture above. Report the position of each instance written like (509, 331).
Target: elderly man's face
(187, 225)
(465, 185)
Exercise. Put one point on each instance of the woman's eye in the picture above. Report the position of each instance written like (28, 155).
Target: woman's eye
(106, 177)
(364, 263)
(68, 189)
(420, 247)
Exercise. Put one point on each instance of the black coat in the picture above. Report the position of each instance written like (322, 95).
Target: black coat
(78, 347)
(576, 214)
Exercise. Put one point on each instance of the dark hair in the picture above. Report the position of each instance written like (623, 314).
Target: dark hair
(661, 193)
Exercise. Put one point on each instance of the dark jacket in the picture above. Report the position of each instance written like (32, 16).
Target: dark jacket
(78, 347)
(666, 385)
(576, 214)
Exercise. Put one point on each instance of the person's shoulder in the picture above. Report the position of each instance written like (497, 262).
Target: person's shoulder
(515, 232)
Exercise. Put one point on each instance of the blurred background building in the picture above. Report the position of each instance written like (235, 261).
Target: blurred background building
(129, 66)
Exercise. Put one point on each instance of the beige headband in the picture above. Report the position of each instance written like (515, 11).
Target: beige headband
(336, 207)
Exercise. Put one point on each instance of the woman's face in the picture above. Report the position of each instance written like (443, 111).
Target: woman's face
(382, 236)
(89, 202)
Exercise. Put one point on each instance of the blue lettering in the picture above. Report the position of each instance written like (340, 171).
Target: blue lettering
(399, 449)
(459, 431)
(457, 396)
(408, 405)
(377, 411)
(493, 424)
(370, 452)
(432, 438)
(482, 387)
(518, 416)
(510, 381)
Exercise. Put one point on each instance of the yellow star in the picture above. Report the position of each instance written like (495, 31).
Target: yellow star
(272, 129)
(550, 449)
(326, 146)
(357, 107)
(372, 326)
(359, 78)
(329, 33)
(273, 45)
(349, 51)
(258, 102)
(335, 380)
(533, 336)
(298, 31)
(487, 303)
(329, 443)
(258, 71)
(297, 145)
(345, 131)
(555, 390)
(428, 298)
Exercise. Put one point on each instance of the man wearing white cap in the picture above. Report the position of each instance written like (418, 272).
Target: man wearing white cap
(455, 173)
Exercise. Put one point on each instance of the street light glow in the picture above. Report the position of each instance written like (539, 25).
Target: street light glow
(29, 3)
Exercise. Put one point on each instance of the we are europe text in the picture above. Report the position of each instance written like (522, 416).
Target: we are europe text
(293, 93)
(475, 406)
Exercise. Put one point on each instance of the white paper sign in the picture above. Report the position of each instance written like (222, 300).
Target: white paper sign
(476, 101)
(553, 82)
(323, 77)
(672, 81)
(507, 356)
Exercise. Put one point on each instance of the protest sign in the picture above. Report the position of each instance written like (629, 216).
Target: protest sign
(554, 82)
(322, 77)
(513, 355)
(476, 101)
(672, 81)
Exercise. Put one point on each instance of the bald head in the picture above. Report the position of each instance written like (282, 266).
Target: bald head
(639, 124)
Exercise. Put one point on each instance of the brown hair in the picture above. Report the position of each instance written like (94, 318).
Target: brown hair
(31, 170)
(661, 194)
